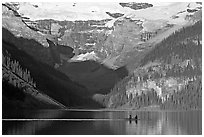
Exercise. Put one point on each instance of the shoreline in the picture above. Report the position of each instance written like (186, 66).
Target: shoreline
(126, 110)
(152, 108)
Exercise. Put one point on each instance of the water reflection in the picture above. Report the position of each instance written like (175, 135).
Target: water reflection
(29, 127)
(166, 123)
(149, 123)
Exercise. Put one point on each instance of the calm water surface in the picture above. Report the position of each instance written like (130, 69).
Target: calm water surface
(101, 122)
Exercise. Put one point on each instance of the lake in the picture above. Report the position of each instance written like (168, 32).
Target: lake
(80, 122)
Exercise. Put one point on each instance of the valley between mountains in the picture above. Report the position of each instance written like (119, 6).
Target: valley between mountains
(138, 56)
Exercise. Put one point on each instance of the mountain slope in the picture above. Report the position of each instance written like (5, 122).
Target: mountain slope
(95, 77)
(20, 91)
(139, 27)
(50, 81)
(168, 76)
(96, 45)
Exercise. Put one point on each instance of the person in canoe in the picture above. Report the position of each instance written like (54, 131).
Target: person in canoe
(130, 117)
(135, 117)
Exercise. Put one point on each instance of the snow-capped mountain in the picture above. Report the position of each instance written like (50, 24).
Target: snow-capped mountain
(98, 44)
(98, 11)
(70, 11)
(113, 31)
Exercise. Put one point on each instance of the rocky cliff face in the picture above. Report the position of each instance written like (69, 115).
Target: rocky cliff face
(114, 36)
(136, 6)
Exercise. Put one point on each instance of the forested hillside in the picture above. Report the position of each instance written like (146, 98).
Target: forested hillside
(169, 76)
(44, 78)
(19, 89)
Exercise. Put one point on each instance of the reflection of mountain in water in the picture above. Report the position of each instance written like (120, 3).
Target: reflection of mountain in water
(166, 123)
(116, 127)
(30, 127)
(150, 123)
(160, 125)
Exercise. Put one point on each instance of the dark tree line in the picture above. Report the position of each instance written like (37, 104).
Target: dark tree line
(188, 98)
(146, 99)
(16, 68)
(179, 43)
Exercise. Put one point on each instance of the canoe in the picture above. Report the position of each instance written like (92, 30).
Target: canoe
(132, 119)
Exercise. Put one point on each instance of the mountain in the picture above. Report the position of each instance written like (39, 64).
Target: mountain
(111, 35)
(168, 77)
(46, 49)
(48, 80)
(19, 89)
(91, 48)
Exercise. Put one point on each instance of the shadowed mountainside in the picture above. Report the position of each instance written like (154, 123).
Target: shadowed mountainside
(49, 80)
(93, 77)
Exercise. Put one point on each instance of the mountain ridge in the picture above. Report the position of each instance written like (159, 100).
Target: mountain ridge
(98, 52)
(168, 75)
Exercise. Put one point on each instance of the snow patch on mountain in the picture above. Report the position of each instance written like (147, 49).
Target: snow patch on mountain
(110, 23)
(98, 11)
(164, 11)
(87, 56)
(70, 11)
